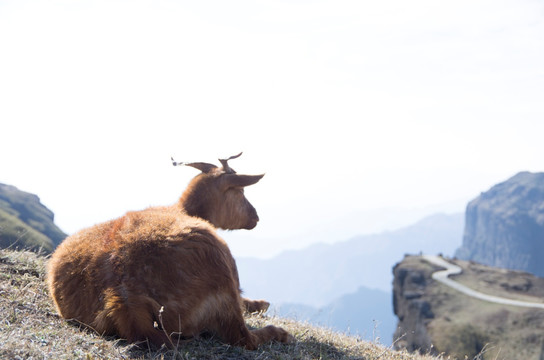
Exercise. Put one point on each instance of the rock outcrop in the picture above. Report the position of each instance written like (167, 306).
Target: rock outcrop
(504, 227)
(436, 319)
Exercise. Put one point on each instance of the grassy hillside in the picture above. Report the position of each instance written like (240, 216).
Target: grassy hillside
(16, 233)
(25, 222)
(30, 328)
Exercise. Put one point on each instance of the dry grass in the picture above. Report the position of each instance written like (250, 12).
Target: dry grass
(30, 329)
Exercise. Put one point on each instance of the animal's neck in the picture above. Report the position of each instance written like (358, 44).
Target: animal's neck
(193, 205)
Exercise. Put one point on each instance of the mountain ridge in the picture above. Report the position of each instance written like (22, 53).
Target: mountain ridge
(364, 261)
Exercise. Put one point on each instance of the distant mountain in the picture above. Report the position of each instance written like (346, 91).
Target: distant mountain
(25, 222)
(505, 225)
(347, 285)
(320, 274)
(366, 313)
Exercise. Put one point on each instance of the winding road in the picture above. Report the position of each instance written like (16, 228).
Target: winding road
(451, 269)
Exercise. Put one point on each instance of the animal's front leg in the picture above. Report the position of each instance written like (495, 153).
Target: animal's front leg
(252, 306)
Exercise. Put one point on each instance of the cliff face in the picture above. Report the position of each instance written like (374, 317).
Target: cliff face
(411, 307)
(504, 227)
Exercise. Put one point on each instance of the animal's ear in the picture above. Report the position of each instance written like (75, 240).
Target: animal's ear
(204, 167)
(234, 180)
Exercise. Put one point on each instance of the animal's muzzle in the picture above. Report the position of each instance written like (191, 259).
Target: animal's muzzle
(253, 220)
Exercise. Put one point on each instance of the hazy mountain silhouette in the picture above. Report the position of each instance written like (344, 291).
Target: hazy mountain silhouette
(367, 313)
(347, 285)
(322, 273)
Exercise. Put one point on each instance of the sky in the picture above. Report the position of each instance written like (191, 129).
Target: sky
(364, 115)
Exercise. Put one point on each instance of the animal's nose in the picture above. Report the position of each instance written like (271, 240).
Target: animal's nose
(253, 220)
(251, 225)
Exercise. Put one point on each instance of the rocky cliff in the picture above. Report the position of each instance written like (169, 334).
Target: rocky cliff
(25, 222)
(504, 227)
(411, 306)
(433, 318)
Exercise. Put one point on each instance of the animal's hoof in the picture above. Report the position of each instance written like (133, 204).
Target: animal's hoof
(290, 339)
(283, 336)
(253, 306)
(262, 305)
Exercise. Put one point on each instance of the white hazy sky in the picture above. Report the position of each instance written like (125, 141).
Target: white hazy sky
(365, 115)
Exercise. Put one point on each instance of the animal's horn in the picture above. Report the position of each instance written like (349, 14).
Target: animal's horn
(204, 167)
(226, 166)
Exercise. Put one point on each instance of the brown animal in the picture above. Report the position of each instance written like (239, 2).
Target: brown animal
(164, 271)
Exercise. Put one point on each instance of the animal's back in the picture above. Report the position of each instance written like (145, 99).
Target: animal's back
(116, 276)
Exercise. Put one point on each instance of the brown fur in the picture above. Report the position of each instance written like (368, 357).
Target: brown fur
(116, 277)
